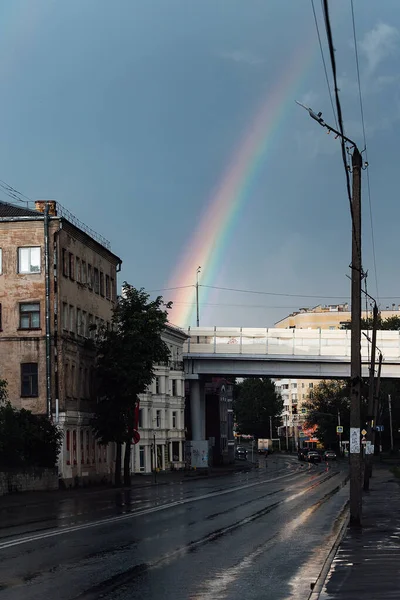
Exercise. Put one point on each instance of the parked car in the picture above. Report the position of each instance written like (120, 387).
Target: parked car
(329, 455)
(241, 453)
(313, 456)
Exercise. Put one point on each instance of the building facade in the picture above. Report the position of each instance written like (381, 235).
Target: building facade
(162, 413)
(57, 285)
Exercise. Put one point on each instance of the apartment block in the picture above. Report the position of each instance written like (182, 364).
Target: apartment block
(57, 285)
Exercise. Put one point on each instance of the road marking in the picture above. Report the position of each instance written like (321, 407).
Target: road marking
(139, 513)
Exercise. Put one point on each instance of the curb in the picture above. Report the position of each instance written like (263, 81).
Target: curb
(319, 584)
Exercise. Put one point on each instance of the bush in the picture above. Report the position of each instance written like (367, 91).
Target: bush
(27, 440)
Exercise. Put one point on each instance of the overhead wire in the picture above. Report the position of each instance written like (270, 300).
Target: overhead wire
(365, 147)
(340, 117)
(323, 62)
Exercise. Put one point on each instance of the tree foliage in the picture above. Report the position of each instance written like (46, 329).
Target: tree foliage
(26, 440)
(389, 324)
(328, 399)
(255, 401)
(126, 355)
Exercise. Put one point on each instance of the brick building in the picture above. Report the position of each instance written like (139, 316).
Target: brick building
(57, 284)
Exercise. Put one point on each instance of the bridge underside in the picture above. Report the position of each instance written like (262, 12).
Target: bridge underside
(279, 366)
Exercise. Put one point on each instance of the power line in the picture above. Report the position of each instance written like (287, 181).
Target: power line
(365, 146)
(178, 287)
(214, 287)
(323, 62)
(258, 292)
(339, 115)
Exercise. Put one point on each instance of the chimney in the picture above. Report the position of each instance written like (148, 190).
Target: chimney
(40, 205)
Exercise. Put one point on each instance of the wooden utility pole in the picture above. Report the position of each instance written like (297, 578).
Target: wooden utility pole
(355, 369)
(371, 397)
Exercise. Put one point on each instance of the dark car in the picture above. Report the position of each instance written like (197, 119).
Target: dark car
(302, 453)
(241, 453)
(313, 456)
(329, 455)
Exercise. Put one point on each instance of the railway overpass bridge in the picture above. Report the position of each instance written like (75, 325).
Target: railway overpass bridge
(273, 352)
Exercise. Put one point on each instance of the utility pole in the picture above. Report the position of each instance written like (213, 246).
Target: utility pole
(391, 422)
(355, 368)
(270, 428)
(371, 396)
(197, 297)
(376, 402)
(340, 435)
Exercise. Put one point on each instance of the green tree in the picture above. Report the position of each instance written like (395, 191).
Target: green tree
(255, 401)
(126, 355)
(26, 440)
(327, 400)
(389, 324)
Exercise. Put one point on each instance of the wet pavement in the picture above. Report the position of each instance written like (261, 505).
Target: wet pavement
(259, 534)
(366, 565)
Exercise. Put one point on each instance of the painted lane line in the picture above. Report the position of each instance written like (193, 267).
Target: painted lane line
(139, 513)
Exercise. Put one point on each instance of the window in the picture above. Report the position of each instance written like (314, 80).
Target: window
(29, 380)
(91, 328)
(71, 266)
(90, 276)
(83, 272)
(65, 263)
(96, 281)
(79, 321)
(112, 291)
(140, 421)
(1, 261)
(310, 385)
(108, 287)
(158, 418)
(302, 385)
(174, 420)
(65, 315)
(78, 269)
(173, 387)
(332, 327)
(71, 319)
(73, 382)
(294, 386)
(29, 260)
(29, 316)
(84, 324)
(175, 451)
(101, 283)
(141, 458)
(157, 385)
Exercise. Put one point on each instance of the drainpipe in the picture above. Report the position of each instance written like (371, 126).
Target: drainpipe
(47, 309)
(56, 319)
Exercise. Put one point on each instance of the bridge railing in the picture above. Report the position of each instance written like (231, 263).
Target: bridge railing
(295, 342)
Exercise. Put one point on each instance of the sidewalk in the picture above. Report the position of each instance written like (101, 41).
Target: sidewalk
(367, 563)
(138, 482)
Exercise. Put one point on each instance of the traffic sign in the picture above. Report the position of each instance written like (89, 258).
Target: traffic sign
(363, 432)
(379, 428)
(339, 429)
(302, 434)
(136, 436)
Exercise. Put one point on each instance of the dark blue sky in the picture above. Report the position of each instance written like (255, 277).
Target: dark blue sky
(127, 113)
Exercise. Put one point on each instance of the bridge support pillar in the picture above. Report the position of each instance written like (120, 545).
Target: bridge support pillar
(198, 409)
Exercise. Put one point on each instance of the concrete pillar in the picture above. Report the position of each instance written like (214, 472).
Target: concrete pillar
(197, 409)
(163, 457)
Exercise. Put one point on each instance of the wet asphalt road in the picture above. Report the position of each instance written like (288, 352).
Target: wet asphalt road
(262, 534)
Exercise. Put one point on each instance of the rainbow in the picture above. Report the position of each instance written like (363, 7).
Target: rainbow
(206, 247)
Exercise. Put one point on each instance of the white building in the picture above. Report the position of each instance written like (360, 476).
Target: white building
(162, 413)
